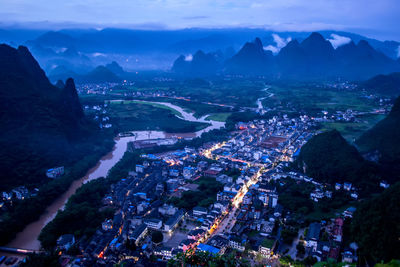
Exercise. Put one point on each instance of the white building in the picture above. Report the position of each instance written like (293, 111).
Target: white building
(155, 224)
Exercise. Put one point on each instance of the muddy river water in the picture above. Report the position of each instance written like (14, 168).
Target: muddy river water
(28, 238)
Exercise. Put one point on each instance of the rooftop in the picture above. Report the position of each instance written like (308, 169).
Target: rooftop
(208, 248)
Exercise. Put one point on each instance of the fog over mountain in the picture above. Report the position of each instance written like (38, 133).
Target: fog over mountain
(313, 58)
(81, 50)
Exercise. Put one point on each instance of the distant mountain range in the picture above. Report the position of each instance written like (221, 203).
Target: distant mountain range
(313, 58)
(200, 63)
(156, 50)
(252, 59)
(38, 121)
(100, 74)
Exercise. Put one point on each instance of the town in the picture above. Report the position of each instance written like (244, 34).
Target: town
(223, 198)
(219, 199)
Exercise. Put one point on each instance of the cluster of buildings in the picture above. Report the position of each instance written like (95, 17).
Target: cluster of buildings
(100, 115)
(95, 88)
(18, 193)
(324, 240)
(260, 142)
(111, 89)
(245, 215)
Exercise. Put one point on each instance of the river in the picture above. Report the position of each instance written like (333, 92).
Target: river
(28, 238)
(259, 103)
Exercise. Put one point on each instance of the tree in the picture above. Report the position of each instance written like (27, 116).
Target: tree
(310, 261)
(288, 235)
(129, 244)
(157, 237)
(300, 249)
(376, 228)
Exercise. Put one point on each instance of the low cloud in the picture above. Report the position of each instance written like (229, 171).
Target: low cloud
(279, 43)
(189, 57)
(337, 40)
(398, 51)
(98, 54)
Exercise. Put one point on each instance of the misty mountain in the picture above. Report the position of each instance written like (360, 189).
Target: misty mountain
(61, 73)
(313, 58)
(200, 64)
(100, 74)
(38, 121)
(66, 57)
(115, 68)
(154, 49)
(384, 84)
(363, 61)
(54, 39)
(251, 59)
(178, 41)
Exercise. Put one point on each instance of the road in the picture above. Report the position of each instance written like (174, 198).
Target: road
(292, 250)
(225, 226)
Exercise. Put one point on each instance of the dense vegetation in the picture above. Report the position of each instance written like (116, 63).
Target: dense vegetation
(328, 158)
(295, 197)
(131, 116)
(206, 259)
(81, 215)
(42, 126)
(384, 84)
(208, 189)
(384, 139)
(375, 226)
(233, 92)
(157, 237)
(29, 210)
(311, 98)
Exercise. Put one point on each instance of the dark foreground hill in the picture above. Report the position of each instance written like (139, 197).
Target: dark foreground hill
(41, 125)
(375, 227)
(328, 158)
(384, 140)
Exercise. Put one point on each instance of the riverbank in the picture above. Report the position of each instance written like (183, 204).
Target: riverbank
(85, 211)
(137, 115)
(28, 237)
(29, 210)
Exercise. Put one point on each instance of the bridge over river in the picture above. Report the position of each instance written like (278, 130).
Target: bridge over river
(18, 250)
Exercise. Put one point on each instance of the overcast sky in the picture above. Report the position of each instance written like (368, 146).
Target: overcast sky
(374, 18)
